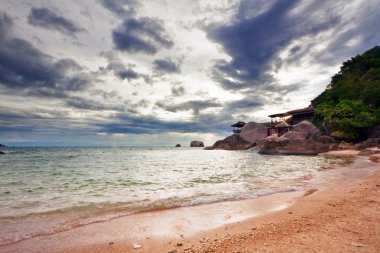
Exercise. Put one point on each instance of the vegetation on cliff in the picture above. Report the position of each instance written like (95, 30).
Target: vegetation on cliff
(351, 102)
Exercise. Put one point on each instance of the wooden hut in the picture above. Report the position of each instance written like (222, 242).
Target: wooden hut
(282, 122)
(301, 114)
(237, 127)
(282, 128)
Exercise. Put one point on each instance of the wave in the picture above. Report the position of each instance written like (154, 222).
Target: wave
(65, 219)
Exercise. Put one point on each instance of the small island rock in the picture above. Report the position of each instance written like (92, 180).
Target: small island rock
(178, 145)
(196, 144)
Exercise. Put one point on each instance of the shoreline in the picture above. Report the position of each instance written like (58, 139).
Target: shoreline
(204, 227)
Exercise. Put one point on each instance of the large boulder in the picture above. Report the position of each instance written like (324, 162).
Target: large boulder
(196, 144)
(251, 133)
(306, 127)
(345, 145)
(300, 141)
(254, 132)
(285, 146)
(325, 139)
(232, 142)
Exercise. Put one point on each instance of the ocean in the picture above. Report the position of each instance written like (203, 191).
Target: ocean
(48, 190)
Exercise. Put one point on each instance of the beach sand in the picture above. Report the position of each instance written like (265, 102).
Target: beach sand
(342, 218)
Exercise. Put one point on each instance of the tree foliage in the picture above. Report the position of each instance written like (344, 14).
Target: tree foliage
(352, 99)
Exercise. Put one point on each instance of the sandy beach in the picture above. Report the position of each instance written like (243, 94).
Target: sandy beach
(342, 218)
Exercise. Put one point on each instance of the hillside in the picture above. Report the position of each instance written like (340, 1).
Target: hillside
(350, 105)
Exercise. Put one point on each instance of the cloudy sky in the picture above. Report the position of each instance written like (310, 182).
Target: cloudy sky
(161, 72)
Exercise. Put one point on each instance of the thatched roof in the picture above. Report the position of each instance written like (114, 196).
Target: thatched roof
(283, 124)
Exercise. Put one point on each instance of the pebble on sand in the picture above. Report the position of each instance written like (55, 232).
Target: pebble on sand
(137, 246)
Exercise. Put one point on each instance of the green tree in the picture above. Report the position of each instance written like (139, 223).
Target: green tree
(347, 117)
(351, 102)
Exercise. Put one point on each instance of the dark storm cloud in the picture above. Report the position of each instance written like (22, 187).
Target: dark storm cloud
(255, 42)
(94, 105)
(25, 68)
(105, 101)
(141, 35)
(47, 19)
(166, 66)
(118, 68)
(195, 105)
(136, 34)
(244, 104)
(127, 74)
(138, 124)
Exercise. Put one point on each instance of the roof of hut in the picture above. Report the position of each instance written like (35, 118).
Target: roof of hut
(278, 115)
(309, 109)
(238, 124)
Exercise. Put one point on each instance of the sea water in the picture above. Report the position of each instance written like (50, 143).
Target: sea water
(48, 190)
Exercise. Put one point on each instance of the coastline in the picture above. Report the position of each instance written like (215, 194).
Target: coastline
(329, 220)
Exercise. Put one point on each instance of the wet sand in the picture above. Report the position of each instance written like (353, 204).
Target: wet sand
(343, 218)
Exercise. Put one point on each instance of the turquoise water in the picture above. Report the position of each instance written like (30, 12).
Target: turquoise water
(47, 190)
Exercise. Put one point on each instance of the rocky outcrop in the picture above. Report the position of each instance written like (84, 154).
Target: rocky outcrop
(196, 144)
(369, 143)
(303, 140)
(232, 142)
(251, 134)
(178, 145)
(311, 132)
(284, 146)
(2, 153)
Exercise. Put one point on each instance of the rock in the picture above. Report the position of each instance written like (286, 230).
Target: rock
(178, 145)
(196, 144)
(327, 127)
(137, 246)
(306, 127)
(2, 153)
(345, 145)
(295, 135)
(356, 244)
(369, 143)
(179, 244)
(325, 139)
(251, 134)
(300, 141)
(233, 142)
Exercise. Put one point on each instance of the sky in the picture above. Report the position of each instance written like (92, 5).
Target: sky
(160, 72)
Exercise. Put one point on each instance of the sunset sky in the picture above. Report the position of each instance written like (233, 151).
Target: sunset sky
(156, 72)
